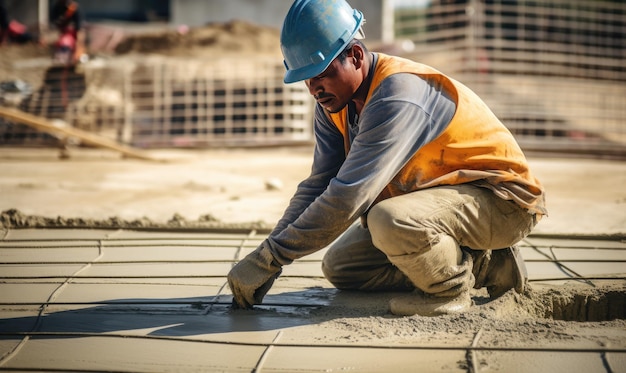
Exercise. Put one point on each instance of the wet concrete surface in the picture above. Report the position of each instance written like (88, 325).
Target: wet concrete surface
(141, 301)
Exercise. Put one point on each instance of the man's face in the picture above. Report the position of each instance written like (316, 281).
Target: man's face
(335, 87)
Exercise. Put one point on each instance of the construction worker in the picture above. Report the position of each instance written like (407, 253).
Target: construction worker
(415, 184)
(70, 46)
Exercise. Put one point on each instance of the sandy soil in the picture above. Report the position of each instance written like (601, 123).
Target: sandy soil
(249, 187)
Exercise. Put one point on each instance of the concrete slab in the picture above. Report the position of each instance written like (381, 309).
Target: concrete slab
(133, 354)
(159, 302)
(29, 254)
(166, 252)
(33, 235)
(563, 258)
(340, 359)
(140, 293)
(16, 321)
(39, 271)
(30, 292)
(538, 361)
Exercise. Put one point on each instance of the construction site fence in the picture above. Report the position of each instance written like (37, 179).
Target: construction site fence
(553, 71)
(156, 101)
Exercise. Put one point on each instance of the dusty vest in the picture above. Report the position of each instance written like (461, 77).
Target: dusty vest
(474, 147)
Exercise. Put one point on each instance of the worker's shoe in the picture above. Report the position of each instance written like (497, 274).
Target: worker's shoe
(419, 303)
(499, 270)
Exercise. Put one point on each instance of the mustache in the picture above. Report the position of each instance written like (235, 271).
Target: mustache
(322, 95)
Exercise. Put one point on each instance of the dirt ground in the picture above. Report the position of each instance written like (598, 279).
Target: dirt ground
(249, 186)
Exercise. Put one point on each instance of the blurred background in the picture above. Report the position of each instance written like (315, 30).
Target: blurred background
(208, 73)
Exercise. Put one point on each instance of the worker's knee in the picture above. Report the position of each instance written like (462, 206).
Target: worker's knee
(395, 235)
(331, 266)
(338, 270)
(361, 266)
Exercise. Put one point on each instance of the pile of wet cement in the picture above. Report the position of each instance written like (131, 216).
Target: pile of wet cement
(14, 219)
(543, 315)
(213, 40)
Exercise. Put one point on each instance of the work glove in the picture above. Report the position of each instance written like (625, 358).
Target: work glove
(253, 277)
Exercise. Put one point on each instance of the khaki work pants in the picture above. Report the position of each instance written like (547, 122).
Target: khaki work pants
(415, 240)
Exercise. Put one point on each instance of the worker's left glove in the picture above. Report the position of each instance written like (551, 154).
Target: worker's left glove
(253, 277)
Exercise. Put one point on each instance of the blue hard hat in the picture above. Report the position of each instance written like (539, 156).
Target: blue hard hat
(314, 33)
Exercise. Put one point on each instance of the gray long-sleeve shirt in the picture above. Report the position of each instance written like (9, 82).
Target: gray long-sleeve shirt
(404, 113)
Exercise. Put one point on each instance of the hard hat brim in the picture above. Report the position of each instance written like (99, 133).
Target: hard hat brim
(293, 76)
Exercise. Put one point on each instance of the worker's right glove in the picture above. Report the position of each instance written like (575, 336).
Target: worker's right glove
(253, 277)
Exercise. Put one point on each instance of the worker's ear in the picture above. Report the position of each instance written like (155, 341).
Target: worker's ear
(358, 54)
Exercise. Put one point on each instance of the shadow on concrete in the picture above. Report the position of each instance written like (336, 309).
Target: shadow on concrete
(198, 315)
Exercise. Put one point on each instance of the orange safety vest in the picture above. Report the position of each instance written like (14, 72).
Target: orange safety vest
(474, 146)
